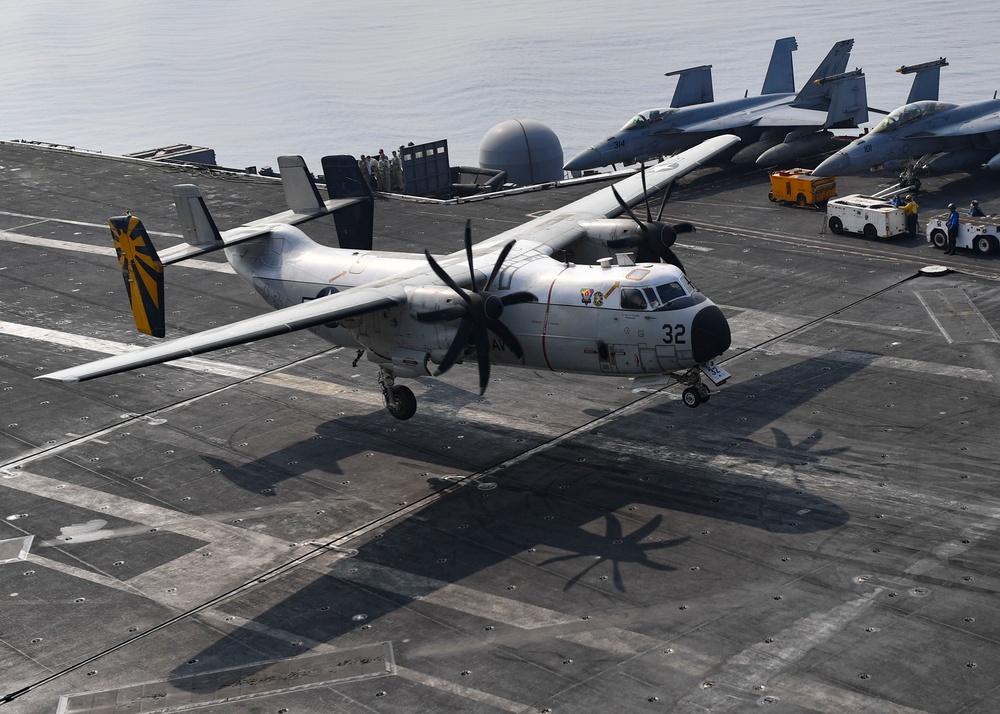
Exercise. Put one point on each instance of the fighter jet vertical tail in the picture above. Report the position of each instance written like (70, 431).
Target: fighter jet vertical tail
(813, 95)
(848, 100)
(779, 78)
(927, 80)
(354, 222)
(142, 272)
(694, 86)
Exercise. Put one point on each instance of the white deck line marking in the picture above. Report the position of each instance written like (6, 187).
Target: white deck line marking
(95, 344)
(8, 237)
(85, 224)
(458, 690)
(759, 663)
(934, 318)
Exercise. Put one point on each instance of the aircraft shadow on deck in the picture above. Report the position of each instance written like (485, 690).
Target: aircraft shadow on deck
(571, 507)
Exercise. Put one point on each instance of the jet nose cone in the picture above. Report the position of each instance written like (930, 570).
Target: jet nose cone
(587, 159)
(710, 335)
(839, 163)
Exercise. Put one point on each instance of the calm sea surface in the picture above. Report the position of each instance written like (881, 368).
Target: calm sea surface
(256, 79)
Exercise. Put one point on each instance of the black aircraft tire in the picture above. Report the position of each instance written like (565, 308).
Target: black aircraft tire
(690, 397)
(836, 225)
(404, 404)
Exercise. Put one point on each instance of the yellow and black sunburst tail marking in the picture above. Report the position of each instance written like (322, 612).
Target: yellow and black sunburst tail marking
(142, 272)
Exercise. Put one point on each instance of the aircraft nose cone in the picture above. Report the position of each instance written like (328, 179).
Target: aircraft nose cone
(839, 163)
(710, 335)
(587, 159)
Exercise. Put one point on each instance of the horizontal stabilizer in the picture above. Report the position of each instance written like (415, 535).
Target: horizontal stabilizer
(142, 272)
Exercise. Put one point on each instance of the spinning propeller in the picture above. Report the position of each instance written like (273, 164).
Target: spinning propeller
(655, 237)
(479, 312)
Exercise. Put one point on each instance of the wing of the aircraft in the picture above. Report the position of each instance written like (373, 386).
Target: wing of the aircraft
(545, 234)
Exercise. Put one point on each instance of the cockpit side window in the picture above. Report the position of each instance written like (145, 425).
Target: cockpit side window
(633, 299)
(670, 291)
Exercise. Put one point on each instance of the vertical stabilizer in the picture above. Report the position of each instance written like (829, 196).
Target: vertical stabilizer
(142, 272)
(354, 222)
(813, 95)
(927, 81)
(694, 86)
(848, 95)
(780, 79)
(301, 193)
(196, 222)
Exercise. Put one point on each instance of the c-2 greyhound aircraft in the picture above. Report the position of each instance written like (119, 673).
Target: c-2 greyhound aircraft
(776, 127)
(643, 319)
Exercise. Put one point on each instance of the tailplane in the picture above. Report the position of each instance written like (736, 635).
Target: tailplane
(142, 272)
(813, 95)
(780, 79)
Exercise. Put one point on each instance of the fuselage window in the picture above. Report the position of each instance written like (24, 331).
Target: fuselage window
(633, 299)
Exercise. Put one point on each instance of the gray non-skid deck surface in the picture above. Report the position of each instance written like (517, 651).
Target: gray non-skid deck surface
(820, 536)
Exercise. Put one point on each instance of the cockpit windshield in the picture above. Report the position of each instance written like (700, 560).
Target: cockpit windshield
(910, 112)
(647, 117)
(664, 296)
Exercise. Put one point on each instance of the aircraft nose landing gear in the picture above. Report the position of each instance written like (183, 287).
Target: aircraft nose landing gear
(696, 391)
(400, 400)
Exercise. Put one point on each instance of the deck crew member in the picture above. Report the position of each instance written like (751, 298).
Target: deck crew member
(975, 211)
(910, 209)
(952, 224)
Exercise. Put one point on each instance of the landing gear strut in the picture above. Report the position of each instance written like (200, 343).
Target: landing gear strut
(696, 391)
(398, 400)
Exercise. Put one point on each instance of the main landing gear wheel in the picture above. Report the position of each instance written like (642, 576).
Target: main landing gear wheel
(402, 404)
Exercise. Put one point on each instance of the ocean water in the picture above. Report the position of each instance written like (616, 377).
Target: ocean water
(255, 79)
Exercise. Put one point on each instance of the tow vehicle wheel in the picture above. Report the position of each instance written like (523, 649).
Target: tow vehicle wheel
(870, 231)
(939, 238)
(836, 225)
(404, 404)
(771, 198)
(691, 397)
(986, 244)
(800, 200)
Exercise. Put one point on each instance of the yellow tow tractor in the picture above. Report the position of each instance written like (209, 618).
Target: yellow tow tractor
(800, 187)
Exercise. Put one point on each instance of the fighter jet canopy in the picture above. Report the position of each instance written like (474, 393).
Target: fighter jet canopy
(910, 112)
(650, 115)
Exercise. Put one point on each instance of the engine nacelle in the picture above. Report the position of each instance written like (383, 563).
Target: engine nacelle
(430, 298)
(608, 229)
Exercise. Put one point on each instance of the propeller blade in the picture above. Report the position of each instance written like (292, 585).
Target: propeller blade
(468, 251)
(645, 193)
(500, 259)
(454, 312)
(642, 226)
(439, 271)
(457, 346)
(518, 298)
(482, 356)
(509, 338)
(666, 197)
(670, 257)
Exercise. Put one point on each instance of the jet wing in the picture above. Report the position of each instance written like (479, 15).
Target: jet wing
(560, 228)
(781, 115)
(313, 313)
